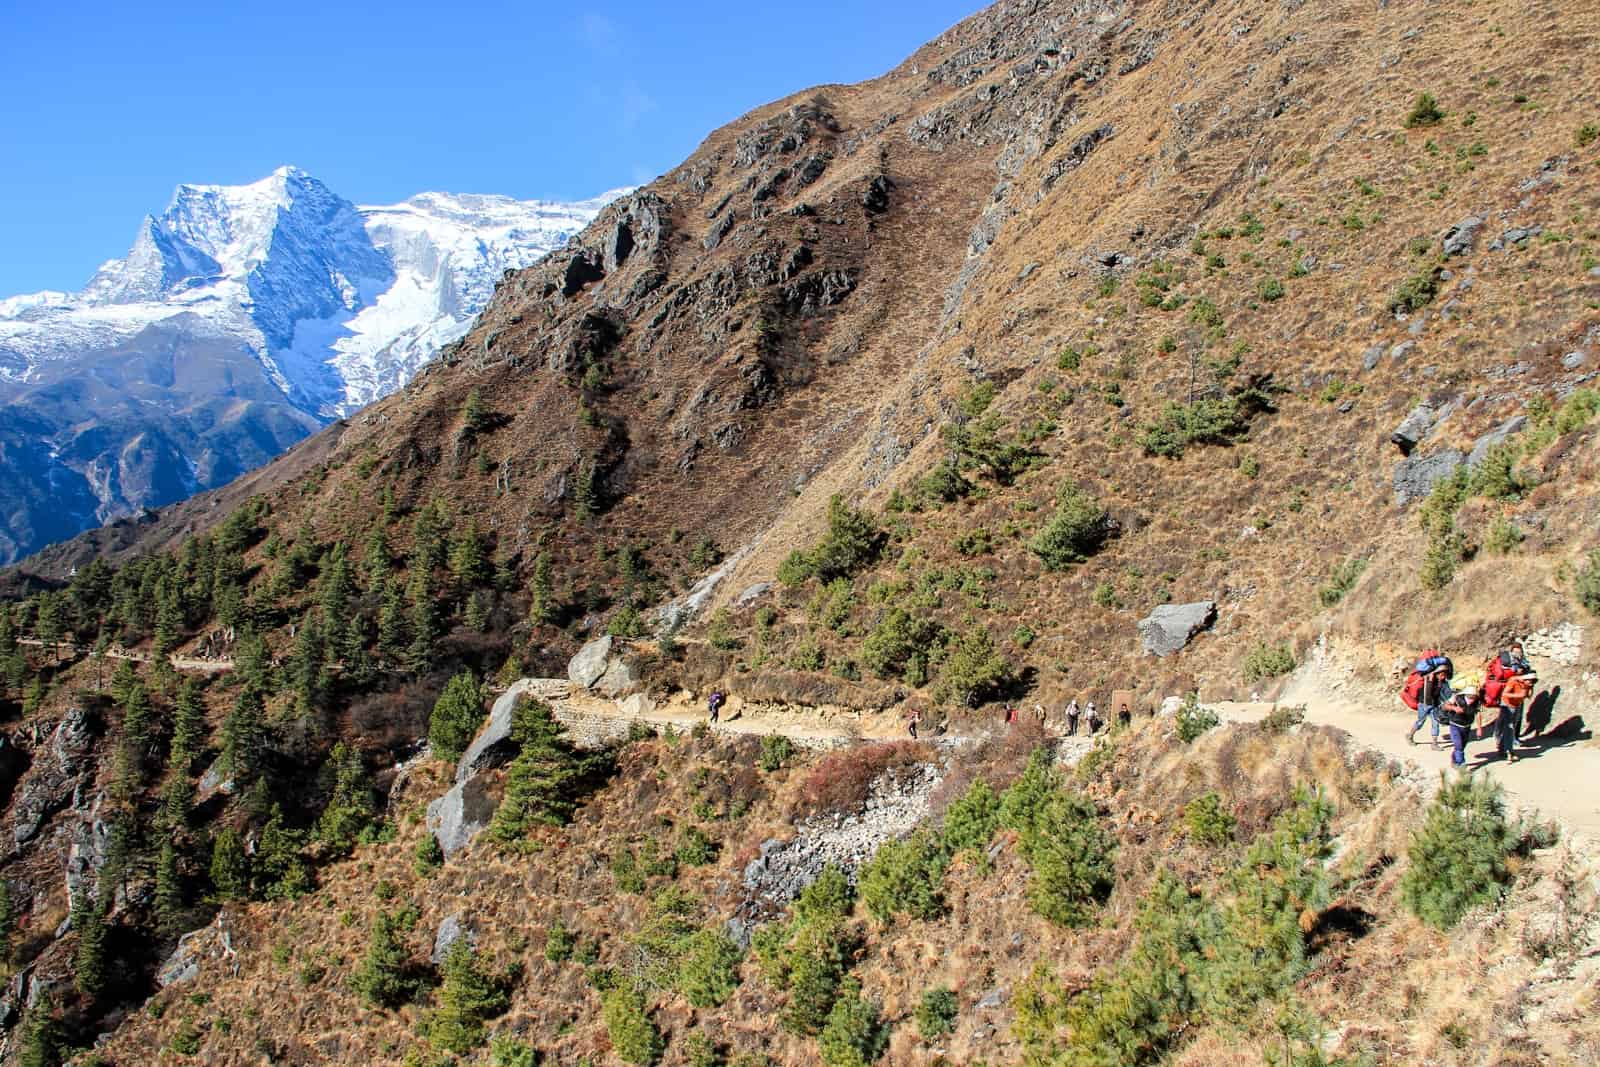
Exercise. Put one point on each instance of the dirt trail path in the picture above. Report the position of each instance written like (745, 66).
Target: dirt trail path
(1557, 775)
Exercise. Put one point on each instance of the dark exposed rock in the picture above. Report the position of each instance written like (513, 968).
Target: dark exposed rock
(718, 231)
(493, 745)
(1459, 239)
(876, 197)
(1075, 155)
(55, 776)
(809, 169)
(814, 292)
(581, 270)
(1413, 428)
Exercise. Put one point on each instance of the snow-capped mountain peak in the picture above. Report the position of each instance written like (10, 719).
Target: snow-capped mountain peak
(280, 283)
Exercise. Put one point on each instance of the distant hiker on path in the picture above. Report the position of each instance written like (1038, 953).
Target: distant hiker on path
(1427, 687)
(1072, 717)
(714, 703)
(1011, 715)
(1038, 714)
(1091, 718)
(1509, 679)
(1461, 714)
(912, 722)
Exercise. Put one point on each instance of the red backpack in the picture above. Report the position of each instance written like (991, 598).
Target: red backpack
(1411, 692)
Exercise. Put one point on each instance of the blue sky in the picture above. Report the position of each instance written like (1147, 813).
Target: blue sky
(108, 105)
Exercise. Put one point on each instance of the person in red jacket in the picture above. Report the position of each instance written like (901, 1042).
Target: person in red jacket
(1500, 670)
(1508, 681)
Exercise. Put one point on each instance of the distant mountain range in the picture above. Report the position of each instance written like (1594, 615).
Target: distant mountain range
(243, 319)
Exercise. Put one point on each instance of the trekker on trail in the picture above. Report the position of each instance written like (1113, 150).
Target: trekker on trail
(1461, 714)
(1072, 717)
(1426, 690)
(1011, 715)
(714, 704)
(912, 722)
(1038, 714)
(1091, 718)
(1509, 679)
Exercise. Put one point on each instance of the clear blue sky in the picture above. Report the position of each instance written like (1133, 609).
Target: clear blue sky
(108, 105)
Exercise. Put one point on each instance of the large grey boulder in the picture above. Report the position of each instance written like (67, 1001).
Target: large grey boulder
(1170, 627)
(493, 745)
(1415, 476)
(53, 781)
(460, 815)
(1459, 239)
(589, 665)
(620, 679)
(1413, 428)
(1497, 436)
(451, 930)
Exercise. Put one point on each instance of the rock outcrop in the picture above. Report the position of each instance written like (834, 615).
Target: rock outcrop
(1170, 627)
(461, 814)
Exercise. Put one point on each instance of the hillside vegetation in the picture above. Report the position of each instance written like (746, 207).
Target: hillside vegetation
(918, 393)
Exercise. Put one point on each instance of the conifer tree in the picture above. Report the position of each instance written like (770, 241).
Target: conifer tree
(177, 797)
(384, 978)
(230, 867)
(541, 588)
(169, 891)
(424, 622)
(394, 632)
(123, 679)
(466, 998)
(376, 561)
(1458, 856)
(307, 668)
(8, 920)
(188, 725)
(136, 717)
(244, 737)
(540, 781)
(42, 1037)
(252, 664)
(456, 717)
(89, 958)
(467, 560)
(351, 808)
(476, 613)
(280, 868)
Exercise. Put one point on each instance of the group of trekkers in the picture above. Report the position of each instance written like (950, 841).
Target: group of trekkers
(1089, 715)
(1437, 696)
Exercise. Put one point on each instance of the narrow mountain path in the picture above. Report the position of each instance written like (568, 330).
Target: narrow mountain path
(1557, 773)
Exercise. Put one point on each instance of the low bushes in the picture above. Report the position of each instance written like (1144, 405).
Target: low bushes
(1267, 661)
(1077, 530)
(1458, 857)
(840, 780)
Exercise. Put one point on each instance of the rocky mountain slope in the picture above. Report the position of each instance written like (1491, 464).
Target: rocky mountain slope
(1141, 348)
(242, 319)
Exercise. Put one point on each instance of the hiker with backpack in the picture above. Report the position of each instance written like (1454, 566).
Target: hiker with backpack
(1072, 718)
(714, 704)
(1509, 680)
(1091, 718)
(1426, 689)
(1461, 715)
(912, 722)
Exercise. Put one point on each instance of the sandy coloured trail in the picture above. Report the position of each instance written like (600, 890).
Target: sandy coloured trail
(1558, 773)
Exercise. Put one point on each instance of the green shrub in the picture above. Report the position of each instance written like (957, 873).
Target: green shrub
(1208, 822)
(696, 849)
(776, 750)
(428, 857)
(1194, 720)
(467, 996)
(904, 877)
(1283, 718)
(975, 542)
(1416, 292)
(505, 1051)
(1445, 551)
(1267, 661)
(1504, 537)
(708, 972)
(559, 942)
(1587, 134)
(456, 716)
(807, 655)
(971, 819)
(853, 541)
(1424, 112)
(1209, 420)
(1071, 856)
(855, 1034)
(944, 484)
(1026, 797)
(1341, 581)
(903, 642)
(1498, 478)
(936, 1013)
(1069, 359)
(720, 630)
(634, 1037)
(973, 669)
(1458, 856)
(386, 978)
(1077, 530)
(1586, 584)
(1270, 289)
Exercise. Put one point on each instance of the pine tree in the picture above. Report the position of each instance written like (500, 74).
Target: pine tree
(476, 613)
(467, 560)
(384, 978)
(169, 620)
(307, 668)
(466, 997)
(541, 588)
(585, 492)
(244, 737)
(427, 537)
(1458, 857)
(474, 416)
(47, 621)
(540, 781)
(394, 631)
(123, 679)
(169, 906)
(177, 797)
(351, 808)
(376, 562)
(335, 587)
(456, 717)
(424, 622)
(136, 718)
(188, 725)
(89, 958)
(230, 867)
(252, 664)
(8, 920)
(42, 1037)
(281, 872)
